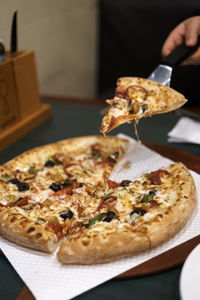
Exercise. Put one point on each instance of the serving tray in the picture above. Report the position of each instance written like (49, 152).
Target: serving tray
(171, 258)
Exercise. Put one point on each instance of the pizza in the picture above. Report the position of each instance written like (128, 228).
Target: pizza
(59, 196)
(136, 98)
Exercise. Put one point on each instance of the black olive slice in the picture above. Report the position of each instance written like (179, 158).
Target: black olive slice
(14, 181)
(49, 164)
(67, 215)
(55, 187)
(22, 186)
(109, 216)
(125, 182)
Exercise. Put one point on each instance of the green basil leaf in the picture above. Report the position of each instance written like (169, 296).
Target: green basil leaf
(95, 219)
(148, 197)
(33, 170)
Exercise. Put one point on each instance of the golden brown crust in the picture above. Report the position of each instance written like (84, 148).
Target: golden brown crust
(107, 247)
(19, 229)
(177, 217)
(102, 248)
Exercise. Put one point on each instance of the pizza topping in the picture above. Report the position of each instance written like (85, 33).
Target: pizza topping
(111, 159)
(108, 195)
(47, 203)
(96, 153)
(112, 184)
(33, 170)
(66, 215)
(40, 221)
(136, 92)
(22, 186)
(138, 211)
(120, 92)
(155, 176)
(148, 197)
(95, 219)
(49, 164)
(22, 201)
(109, 216)
(125, 183)
(52, 161)
(109, 202)
(5, 177)
(55, 187)
(67, 190)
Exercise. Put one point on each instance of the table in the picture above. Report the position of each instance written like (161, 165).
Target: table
(71, 118)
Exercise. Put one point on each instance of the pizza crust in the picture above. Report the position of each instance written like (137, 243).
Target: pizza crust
(19, 229)
(102, 248)
(172, 222)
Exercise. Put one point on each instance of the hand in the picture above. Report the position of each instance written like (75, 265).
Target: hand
(188, 32)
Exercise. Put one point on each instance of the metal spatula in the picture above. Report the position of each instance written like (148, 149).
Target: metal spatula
(163, 72)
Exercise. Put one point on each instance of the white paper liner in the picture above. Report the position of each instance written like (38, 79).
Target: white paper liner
(49, 280)
(185, 131)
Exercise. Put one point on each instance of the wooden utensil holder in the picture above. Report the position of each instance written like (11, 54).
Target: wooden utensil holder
(20, 107)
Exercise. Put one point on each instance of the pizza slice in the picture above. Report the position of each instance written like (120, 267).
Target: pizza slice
(136, 98)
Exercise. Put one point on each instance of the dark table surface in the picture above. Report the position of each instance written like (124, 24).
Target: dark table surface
(79, 119)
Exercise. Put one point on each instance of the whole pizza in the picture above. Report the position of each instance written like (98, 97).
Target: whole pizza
(60, 196)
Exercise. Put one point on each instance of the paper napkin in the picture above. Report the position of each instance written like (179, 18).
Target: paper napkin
(49, 280)
(185, 131)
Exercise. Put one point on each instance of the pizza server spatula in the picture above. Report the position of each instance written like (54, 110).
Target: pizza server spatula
(163, 72)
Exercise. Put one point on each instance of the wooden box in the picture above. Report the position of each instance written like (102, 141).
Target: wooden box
(20, 107)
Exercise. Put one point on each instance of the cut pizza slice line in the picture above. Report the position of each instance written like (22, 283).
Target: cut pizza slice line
(136, 98)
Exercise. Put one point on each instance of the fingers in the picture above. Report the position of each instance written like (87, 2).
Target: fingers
(192, 30)
(175, 38)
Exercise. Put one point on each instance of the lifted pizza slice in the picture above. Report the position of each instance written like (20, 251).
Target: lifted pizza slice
(136, 98)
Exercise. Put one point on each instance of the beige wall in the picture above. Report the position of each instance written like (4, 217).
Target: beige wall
(63, 35)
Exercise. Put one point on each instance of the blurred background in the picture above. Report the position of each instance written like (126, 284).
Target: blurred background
(83, 46)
